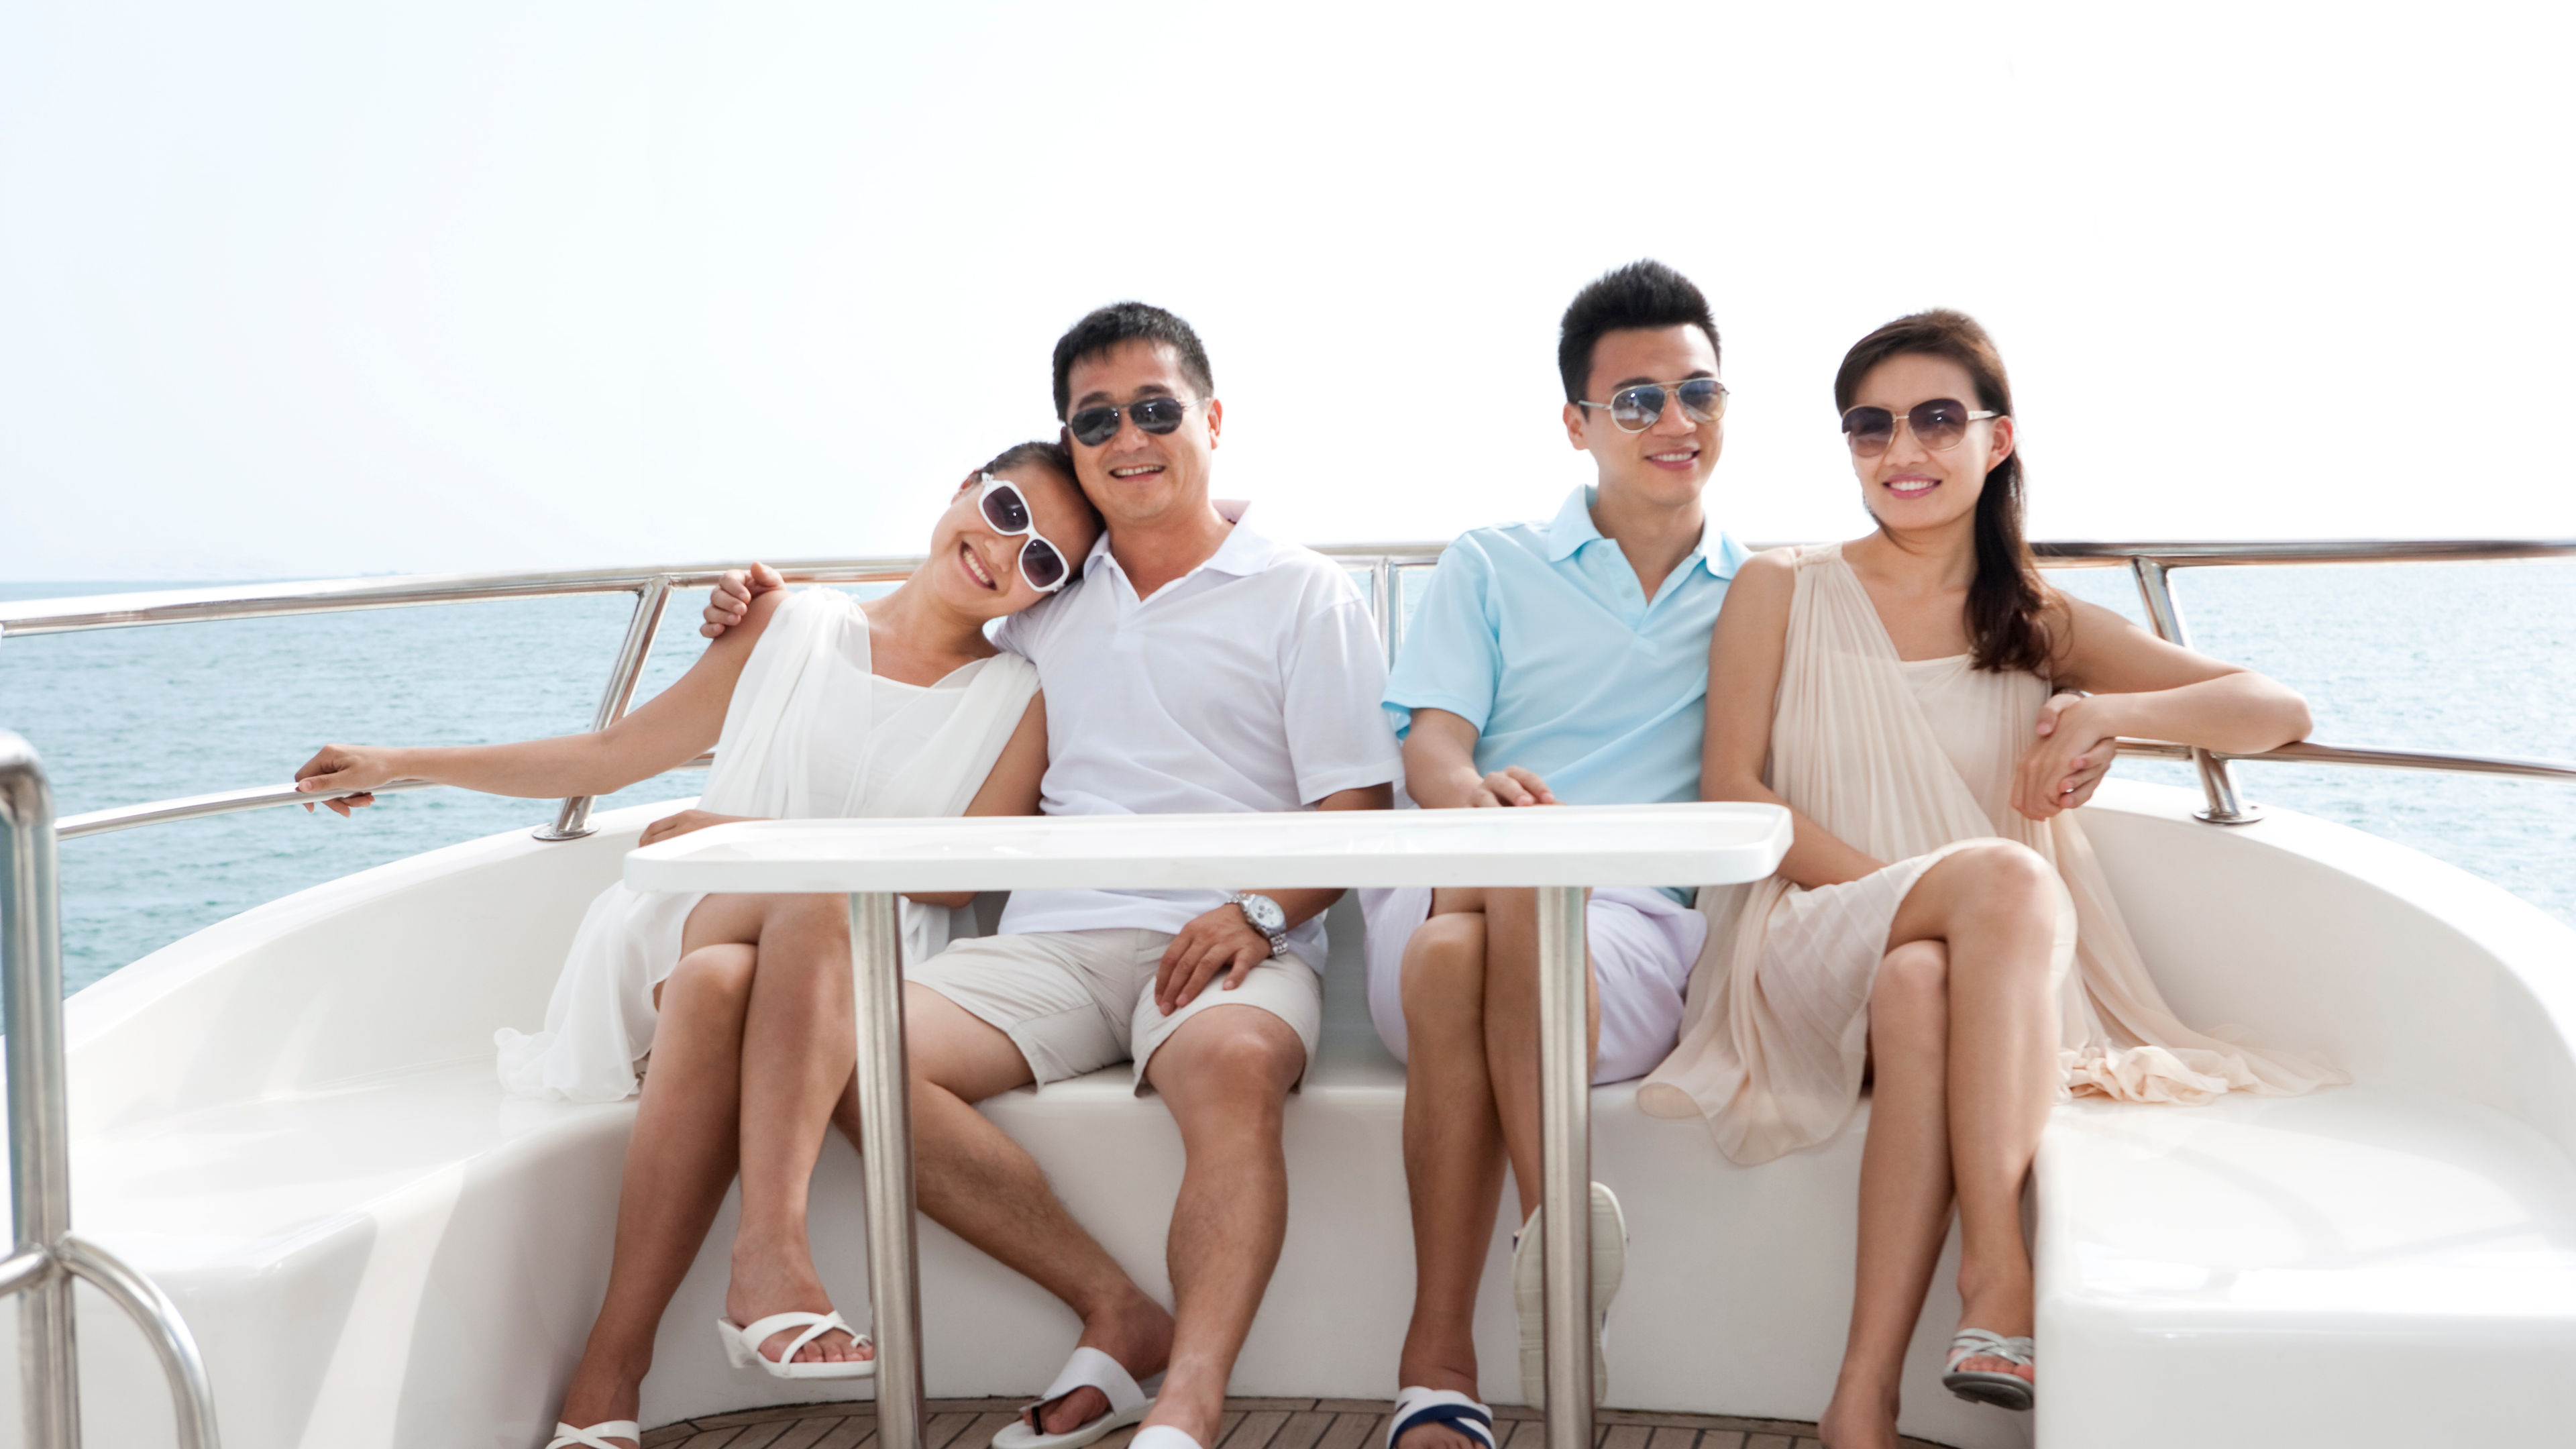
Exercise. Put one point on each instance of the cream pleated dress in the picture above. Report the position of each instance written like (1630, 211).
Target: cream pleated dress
(1906, 761)
(811, 732)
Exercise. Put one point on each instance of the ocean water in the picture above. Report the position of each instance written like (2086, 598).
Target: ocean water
(2477, 658)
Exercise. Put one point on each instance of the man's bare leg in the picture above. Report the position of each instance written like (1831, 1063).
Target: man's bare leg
(1511, 1028)
(971, 1178)
(1225, 1075)
(1453, 1152)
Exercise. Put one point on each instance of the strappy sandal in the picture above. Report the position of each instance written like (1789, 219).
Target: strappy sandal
(1984, 1386)
(596, 1436)
(1418, 1406)
(1089, 1368)
(742, 1346)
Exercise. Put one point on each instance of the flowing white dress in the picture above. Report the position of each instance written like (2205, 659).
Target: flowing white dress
(810, 732)
(1907, 761)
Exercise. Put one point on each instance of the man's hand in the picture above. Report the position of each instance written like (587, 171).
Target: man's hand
(1508, 786)
(1220, 943)
(733, 595)
(2072, 750)
(346, 767)
(670, 826)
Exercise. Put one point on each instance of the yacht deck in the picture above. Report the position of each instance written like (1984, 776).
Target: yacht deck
(1249, 1424)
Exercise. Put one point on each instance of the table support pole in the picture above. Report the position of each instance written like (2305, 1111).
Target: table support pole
(1565, 1163)
(885, 1166)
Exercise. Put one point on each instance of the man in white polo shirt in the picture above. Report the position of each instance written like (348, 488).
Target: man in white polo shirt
(1196, 666)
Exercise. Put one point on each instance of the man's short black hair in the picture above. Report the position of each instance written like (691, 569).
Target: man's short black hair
(1643, 294)
(1120, 322)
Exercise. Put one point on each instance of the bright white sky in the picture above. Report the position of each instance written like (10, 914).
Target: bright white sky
(307, 289)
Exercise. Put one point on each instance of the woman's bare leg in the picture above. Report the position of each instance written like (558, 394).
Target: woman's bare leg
(1996, 907)
(799, 1051)
(677, 1168)
(1904, 1191)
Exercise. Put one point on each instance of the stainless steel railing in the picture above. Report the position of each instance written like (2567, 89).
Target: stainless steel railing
(47, 1257)
(1384, 566)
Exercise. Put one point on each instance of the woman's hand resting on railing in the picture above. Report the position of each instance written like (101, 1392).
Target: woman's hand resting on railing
(2066, 762)
(347, 767)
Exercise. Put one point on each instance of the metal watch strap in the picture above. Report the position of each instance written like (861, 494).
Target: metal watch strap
(1278, 939)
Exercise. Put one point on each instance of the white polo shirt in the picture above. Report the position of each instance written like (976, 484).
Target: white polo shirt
(1249, 683)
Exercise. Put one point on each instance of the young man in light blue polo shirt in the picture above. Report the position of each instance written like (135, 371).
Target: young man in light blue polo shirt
(1559, 662)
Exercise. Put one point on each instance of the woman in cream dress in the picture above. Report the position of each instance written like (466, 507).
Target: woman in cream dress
(1932, 712)
(816, 706)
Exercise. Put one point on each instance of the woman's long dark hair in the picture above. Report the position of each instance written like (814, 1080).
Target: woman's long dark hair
(2007, 603)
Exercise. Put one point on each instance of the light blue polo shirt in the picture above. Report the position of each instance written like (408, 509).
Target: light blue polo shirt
(1540, 636)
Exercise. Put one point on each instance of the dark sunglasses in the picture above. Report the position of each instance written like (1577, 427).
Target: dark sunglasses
(1636, 409)
(1041, 563)
(1092, 427)
(1938, 425)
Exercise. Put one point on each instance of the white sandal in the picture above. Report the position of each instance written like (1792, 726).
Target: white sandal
(1984, 1386)
(1088, 1368)
(1417, 1406)
(596, 1436)
(1529, 1295)
(742, 1346)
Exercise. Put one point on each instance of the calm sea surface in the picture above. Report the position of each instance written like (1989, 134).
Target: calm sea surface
(2478, 658)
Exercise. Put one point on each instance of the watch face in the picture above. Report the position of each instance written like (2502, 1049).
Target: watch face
(1264, 914)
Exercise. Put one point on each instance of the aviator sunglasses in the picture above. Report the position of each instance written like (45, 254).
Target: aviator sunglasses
(1636, 409)
(1041, 563)
(1938, 425)
(1092, 427)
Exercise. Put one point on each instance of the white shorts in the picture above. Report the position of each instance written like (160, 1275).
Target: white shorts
(1076, 1001)
(1644, 944)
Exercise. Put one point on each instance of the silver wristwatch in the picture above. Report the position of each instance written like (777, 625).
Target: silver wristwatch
(1266, 917)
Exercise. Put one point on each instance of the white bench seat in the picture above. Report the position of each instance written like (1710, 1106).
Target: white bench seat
(290, 1120)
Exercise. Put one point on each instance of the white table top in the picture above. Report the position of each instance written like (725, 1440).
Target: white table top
(1631, 845)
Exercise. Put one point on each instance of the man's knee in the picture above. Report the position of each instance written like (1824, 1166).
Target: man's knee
(1444, 969)
(1240, 1054)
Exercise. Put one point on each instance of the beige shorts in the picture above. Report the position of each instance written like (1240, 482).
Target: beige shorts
(1076, 1001)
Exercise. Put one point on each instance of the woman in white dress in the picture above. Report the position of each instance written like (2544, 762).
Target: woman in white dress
(816, 706)
(1932, 712)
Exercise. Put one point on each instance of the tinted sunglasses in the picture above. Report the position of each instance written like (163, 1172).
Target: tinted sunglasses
(1007, 510)
(1092, 427)
(1636, 409)
(1938, 425)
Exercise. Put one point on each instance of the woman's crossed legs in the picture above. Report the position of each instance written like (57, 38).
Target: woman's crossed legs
(753, 1050)
(1963, 1045)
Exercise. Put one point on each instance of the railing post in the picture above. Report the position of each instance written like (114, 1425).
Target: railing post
(40, 1196)
(40, 1180)
(2217, 783)
(572, 818)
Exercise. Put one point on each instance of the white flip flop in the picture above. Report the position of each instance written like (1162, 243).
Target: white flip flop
(596, 1436)
(1417, 1406)
(1529, 1295)
(742, 1346)
(1088, 1368)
